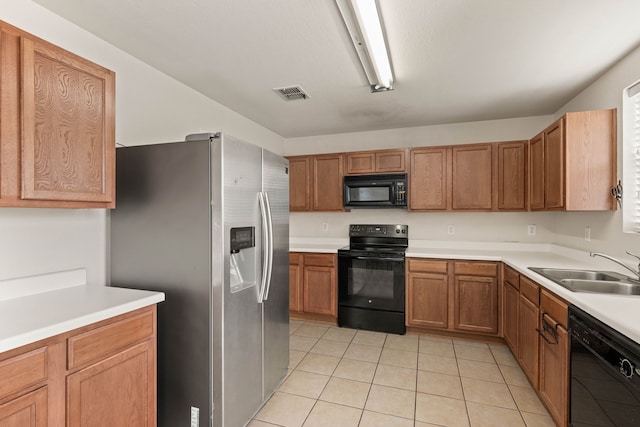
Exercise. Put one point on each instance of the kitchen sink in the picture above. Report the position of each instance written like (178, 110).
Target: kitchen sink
(601, 286)
(604, 282)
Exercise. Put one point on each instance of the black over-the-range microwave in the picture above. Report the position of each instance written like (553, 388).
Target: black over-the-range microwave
(375, 191)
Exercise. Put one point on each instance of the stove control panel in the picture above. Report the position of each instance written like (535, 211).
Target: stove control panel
(373, 230)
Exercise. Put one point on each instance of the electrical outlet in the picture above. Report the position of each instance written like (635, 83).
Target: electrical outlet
(531, 229)
(587, 233)
(325, 226)
(451, 229)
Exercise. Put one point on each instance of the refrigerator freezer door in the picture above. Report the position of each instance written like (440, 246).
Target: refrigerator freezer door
(160, 241)
(276, 306)
(237, 322)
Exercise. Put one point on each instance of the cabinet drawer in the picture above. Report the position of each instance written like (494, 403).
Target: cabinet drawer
(23, 371)
(294, 258)
(427, 266)
(530, 289)
(555, 307)
(110, 339)
(511, 276)
(320, 260)
(476, 268)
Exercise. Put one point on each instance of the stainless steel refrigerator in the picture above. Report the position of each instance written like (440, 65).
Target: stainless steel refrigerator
(207, 222)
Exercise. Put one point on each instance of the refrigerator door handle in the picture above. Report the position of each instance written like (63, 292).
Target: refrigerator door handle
(269, 245)
(265, 251)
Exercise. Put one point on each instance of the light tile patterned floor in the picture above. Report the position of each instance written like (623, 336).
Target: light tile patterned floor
(342, 377)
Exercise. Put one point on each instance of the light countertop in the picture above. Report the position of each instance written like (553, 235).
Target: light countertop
(36, 314)
(619, 312)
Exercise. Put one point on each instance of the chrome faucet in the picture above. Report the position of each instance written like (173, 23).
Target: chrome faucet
(636, 272)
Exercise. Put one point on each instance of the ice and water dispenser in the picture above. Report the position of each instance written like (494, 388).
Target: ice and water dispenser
(242, 260)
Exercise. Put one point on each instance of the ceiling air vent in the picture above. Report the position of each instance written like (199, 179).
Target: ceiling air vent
(291, 93)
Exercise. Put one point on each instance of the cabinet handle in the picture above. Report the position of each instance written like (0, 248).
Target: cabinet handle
(547, 327)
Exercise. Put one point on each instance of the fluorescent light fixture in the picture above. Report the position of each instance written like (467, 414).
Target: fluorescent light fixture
(363, 23)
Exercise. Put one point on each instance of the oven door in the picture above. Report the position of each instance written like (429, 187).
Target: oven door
(371, 281)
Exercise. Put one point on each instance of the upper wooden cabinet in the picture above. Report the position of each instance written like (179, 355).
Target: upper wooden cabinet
(381, 161)
(300, 183)
(429, 179)
(57, 126)
(573, 163)
(328, 174)
(510, 159)
(315, 183)
(472, 177)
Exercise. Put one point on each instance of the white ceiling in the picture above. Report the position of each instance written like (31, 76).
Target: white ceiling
(453, 60)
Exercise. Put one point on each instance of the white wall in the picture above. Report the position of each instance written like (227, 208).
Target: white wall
(606, 227)
(150, 107)
(486, 226)
(449, 134)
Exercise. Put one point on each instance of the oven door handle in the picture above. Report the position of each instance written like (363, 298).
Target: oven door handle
(376, 258)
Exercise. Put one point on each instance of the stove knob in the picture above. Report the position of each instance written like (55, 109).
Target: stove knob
(370, 301)
(404, 231)
(397, 231)
(626, 368)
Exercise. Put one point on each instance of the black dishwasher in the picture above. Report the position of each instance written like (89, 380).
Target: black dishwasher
(605, 374)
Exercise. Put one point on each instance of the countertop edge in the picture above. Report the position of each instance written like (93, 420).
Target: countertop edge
(79, 321)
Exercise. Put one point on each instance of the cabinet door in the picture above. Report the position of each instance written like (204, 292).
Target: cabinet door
(528, 339)
(511, 298)
(536, 172)
(428, 180)
(361, 162)
(554, 165)
(327, 182)
(427, 300)
(388, 161)
(472, 177)
(320, 290)
(554, 375)
(68, 125)
(118, 391)
(295, 282)
(512, 176)
(29, 410)
(476, 304)
(300, 184)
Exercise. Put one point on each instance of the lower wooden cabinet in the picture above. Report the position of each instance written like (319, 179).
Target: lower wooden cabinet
(427, 294)
(510, 315)
(295, 282)
(553, 386)
(29, 410)
(475, 297)
(115, 391)
(453, 295)
(313, 284)
(535, 329)
(100, 375)
(528, 339)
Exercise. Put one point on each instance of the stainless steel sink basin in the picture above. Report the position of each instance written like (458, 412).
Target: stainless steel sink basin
(561, 274)
(604, 282)
(601, 286)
